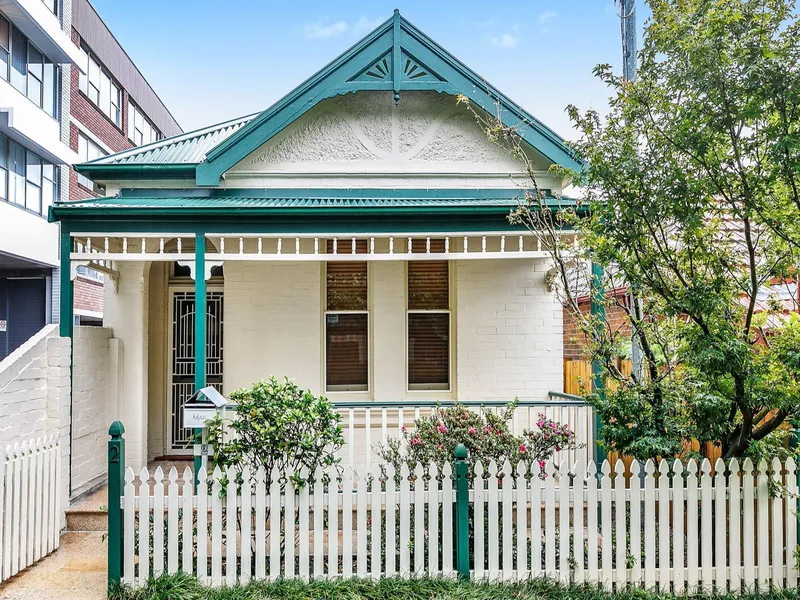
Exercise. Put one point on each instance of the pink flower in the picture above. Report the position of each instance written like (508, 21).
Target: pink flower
(403, 428)
(442, 428)
(415, 441)
(471, 430)
(541, 464)
(540, 424)
(523, 449)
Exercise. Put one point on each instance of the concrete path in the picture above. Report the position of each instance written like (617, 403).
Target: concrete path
(76, 571)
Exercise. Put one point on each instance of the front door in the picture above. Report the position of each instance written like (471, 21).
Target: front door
(182, 343)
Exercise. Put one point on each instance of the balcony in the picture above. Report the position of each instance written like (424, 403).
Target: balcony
(43, 28)
(26, 123)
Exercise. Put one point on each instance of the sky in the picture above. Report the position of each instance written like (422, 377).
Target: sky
(213, 61)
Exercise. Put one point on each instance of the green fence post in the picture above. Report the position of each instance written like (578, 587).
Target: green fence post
(116, 478)
(462, 513)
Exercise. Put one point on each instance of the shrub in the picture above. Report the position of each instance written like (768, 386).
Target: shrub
(277, 424)
(487, 436)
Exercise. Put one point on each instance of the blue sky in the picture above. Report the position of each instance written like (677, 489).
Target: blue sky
(211, 61)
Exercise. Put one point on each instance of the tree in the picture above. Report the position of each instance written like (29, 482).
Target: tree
(691, 202)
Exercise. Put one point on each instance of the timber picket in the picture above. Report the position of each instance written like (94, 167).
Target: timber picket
(668, 526)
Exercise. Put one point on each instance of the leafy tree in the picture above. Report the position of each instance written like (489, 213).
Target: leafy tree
(691, 202)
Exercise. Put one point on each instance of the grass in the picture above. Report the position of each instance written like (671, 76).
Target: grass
(183, 587)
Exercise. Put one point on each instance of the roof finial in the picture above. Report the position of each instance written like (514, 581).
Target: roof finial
(397, 11)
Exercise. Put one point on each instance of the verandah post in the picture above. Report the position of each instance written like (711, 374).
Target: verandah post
(199, 329)
(116, 483)
(462, 513)
(598, 311)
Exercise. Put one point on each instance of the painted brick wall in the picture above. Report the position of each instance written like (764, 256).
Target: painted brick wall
(35, 394)
(509, 331)
(272, 323)
(90, 406)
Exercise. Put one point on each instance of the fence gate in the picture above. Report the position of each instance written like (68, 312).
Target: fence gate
(182, 345)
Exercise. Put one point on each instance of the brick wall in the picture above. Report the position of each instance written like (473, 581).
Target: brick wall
(35, 394)
(509, 331)
(90, 407)
(88, 294)
(92, 118)
(575, 341)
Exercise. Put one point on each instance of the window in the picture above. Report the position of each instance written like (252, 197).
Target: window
(52, 6)
(28, 70)
(5, 46)
(346, 324)
(100, 88)
(140, 130)
(428, 320)
(25, 178)
(88, 150)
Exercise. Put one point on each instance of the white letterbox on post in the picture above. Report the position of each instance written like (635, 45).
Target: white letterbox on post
(202, 406)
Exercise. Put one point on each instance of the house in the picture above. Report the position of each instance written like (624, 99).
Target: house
(353, 237)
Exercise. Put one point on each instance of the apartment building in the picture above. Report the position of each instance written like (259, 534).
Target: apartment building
(68, 93)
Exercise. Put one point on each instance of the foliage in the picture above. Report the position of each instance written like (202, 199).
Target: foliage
(277, 424)
(486, 435)
(691, 202)
(188, 588)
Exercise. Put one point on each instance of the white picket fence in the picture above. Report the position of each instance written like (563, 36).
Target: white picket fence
(30, 524)
(672, 528)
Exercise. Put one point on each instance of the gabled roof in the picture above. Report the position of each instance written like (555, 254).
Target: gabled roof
(395, 57)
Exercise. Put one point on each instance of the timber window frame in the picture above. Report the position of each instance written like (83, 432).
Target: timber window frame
(429, 317)
(346, 324)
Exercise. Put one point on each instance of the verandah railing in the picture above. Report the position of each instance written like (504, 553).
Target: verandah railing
(678, 526)
(367, 424)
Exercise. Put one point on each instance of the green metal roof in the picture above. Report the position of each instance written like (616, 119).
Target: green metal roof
(184, 149)
(266, 202)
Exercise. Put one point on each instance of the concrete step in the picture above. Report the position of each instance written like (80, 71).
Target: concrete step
(89, 512)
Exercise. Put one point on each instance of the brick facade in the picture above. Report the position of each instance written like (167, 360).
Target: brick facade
(575, 341)
(88, 295)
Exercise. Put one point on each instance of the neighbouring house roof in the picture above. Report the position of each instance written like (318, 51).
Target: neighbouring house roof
(396, 57)
(185, 149)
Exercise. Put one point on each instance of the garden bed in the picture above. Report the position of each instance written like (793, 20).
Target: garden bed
(187, 588)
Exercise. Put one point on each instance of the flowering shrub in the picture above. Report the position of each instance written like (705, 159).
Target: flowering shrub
(277, 424)
(487, 436)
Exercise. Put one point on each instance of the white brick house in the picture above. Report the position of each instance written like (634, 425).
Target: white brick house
(353, 237)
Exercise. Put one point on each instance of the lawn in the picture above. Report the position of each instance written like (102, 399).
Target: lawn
(187, 588)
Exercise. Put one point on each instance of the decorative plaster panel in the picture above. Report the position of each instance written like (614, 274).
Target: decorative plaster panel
(366, 132)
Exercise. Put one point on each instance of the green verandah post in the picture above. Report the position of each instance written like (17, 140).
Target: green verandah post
(598, 311)
(462, 513)
(199, 328)
(116, 483)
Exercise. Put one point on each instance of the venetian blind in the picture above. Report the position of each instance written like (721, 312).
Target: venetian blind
(428, 319)
(346, 333)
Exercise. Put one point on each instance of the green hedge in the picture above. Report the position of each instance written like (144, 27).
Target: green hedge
(187, 588)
